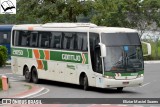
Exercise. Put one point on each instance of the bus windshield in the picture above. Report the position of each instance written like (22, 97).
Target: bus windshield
(124, 52)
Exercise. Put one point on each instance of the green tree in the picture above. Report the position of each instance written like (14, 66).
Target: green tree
(43, 11)
(110, 13)
(3, 55)
(142, 14)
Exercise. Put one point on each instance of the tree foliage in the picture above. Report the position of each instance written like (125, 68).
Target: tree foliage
(109, 13)
(139, 14)
(3, 55)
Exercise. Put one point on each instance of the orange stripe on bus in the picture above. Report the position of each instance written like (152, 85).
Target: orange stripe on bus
(40, 64)
(46, 52)
(30, 28)
(36, 53)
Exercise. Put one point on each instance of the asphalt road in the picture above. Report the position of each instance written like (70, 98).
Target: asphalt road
(150, 88)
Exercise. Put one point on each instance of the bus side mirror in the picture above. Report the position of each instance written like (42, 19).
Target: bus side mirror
(148, 48)
(103, 49)
(4, 36)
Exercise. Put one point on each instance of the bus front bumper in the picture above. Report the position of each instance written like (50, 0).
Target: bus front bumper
(114, 83)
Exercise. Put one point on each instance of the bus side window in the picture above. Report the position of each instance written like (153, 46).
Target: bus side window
(5, 37)
(13, 38)
(82, 41)
(22, 38)
(95, 52)
(56, 40)
(16, 36)
(8, 37)
(1, 38)
(34, 39)
(44, 39)
(68, 41)
(26, 36)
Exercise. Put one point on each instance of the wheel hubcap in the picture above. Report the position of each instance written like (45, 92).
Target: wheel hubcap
(27, 74)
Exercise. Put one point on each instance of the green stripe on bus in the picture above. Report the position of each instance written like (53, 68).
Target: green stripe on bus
(67, 57)
(41, 54)
(141, 72)
(45, 65)
(86, 56)
(19, 52)
(112, 73)
(30, 53)
(54, 55)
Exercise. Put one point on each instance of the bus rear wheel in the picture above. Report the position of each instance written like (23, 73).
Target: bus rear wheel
(27, 74)
(120, 89)
(35, 76)
(85, 83)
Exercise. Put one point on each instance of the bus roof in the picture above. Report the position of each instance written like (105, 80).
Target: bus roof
(72, 27)
(103, 29)
(5, 27)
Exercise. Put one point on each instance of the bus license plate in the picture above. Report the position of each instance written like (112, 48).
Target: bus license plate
(125, 83)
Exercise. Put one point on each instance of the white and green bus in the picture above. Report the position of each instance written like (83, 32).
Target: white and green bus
(78, 53)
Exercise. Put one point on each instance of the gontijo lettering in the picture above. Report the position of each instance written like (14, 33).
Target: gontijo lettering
(17, 52)
(71, 57)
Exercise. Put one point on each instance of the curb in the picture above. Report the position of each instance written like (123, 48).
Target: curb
(34, 90)
(152, 62)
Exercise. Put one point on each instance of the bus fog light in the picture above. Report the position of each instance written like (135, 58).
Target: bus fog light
(141, 75)
(138, 76)
(109, 77)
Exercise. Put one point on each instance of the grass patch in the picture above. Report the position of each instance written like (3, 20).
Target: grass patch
(144, 48)
(0, 84)
(8, 63)
(155, 54)
(29, 86)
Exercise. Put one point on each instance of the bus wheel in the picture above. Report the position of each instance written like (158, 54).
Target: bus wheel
(85, 83)
(27, 74)
(120, 89)
(35, 76)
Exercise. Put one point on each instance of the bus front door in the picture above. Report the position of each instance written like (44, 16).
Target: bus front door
(98, 68)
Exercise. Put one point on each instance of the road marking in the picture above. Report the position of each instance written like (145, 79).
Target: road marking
(155, 81)
(121, 105)
(9, 73)
(21, 76)
(145, 84)
(154, 106)
(106, 104)
(137, 106)
(32, 93)
(47, 90)
(6, 73)
(12, 80)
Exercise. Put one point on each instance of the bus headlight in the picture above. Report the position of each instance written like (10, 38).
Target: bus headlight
(109, 77)
(141, 75)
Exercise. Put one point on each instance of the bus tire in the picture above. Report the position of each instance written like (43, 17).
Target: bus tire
(85, 83)
(120, 89)
(35, 76)
(27, 74)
